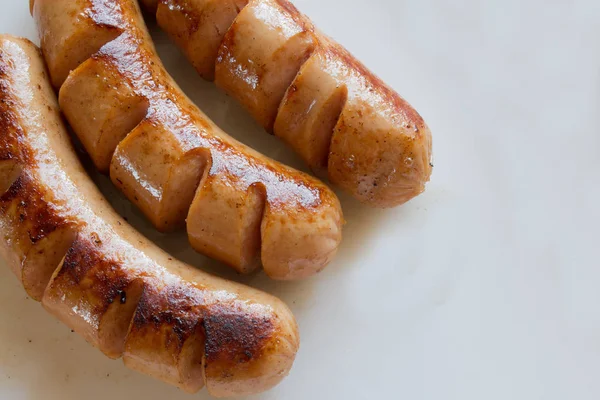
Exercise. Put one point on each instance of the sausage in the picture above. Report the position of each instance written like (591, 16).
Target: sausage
(309, 91)
(100, 277)
(168, 158)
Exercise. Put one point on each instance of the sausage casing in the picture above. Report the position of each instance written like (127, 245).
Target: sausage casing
(169, 158)
(308, 90)
(103, 279)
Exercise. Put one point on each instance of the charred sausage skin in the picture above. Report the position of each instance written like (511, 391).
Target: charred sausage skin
(168, 158)
(308, 90)
(95, 273)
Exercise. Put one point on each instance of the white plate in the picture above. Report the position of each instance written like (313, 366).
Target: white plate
(485, 287)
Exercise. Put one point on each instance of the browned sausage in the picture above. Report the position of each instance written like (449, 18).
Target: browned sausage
(102, 278)
(168, 157)
(308, 90)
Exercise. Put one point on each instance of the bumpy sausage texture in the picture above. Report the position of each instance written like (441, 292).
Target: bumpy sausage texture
(308, 90)
(168, 157)
(103, 279)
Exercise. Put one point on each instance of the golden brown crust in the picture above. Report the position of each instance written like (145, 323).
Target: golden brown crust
(379, 149)
(192, 19)
(391, 144)
(9, 127)
(256, 71)
(174, 155)
(105, 281)
(390, 97)
(27, 210)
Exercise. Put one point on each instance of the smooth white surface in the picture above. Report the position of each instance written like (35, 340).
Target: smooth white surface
(485, 287)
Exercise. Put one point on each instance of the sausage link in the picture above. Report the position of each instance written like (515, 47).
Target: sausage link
(169, 158)
(104, 280)
(308, 90)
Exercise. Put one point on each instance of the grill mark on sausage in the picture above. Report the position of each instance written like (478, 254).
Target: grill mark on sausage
(37, 217)
(234, 337)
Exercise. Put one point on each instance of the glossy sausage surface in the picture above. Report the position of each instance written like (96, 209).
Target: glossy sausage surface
(169, 158)
(308, 90)
(95, 273)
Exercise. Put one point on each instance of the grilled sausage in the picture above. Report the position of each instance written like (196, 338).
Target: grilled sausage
(168, 157)
(102, 278)
(308, 90)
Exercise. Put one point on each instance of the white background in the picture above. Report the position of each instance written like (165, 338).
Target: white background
(485, 287)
